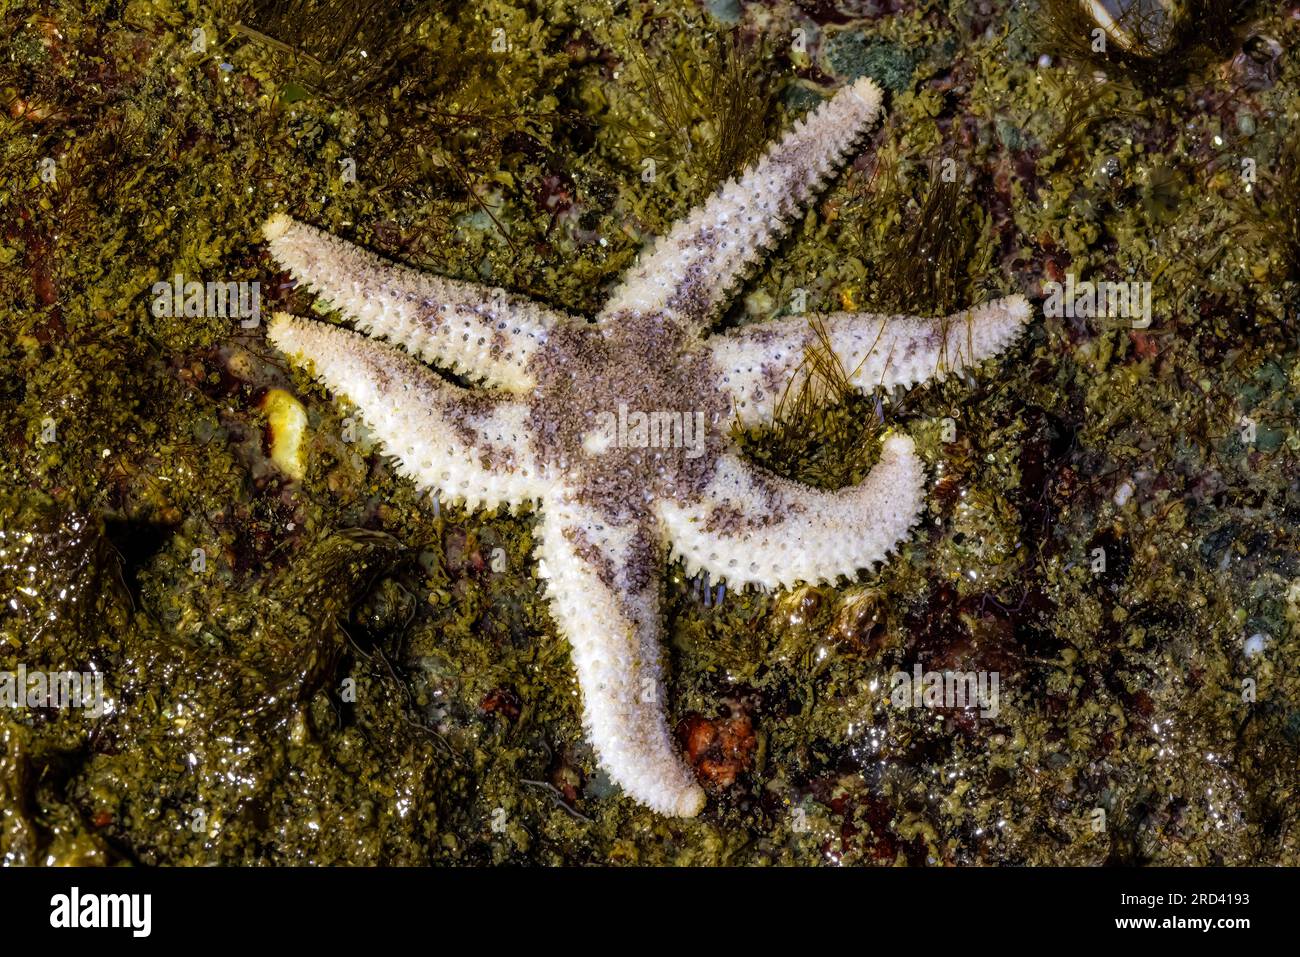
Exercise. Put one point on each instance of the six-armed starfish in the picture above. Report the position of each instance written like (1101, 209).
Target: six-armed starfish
(597, 422)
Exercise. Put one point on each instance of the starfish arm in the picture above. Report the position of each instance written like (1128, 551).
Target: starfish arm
(485, 333)
(603, 584)
(758, 364)
(692, 270)
(754, 528)
(473, 447)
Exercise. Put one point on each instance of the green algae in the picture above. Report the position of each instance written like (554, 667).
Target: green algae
(851, 55)
(332, 671)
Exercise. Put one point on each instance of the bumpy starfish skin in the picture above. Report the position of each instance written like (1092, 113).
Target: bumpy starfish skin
(554, 431)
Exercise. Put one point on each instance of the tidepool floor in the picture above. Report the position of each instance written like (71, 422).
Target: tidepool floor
(325, 670)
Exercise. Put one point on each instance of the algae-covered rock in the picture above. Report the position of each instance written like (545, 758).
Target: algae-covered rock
(849, 54)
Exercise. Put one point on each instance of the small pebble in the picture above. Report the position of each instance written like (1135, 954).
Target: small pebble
(1256, 644)
(1123, 493)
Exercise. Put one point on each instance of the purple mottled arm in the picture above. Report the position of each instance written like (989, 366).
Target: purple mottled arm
(487, 334)
(694, 269)
(759, 364)
(470, 447)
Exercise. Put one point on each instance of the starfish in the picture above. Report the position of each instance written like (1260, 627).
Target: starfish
(618, 430)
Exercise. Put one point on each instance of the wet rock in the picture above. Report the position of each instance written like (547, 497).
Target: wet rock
(18, 835)
(1259, 64)
(849, 55)
(61, 582)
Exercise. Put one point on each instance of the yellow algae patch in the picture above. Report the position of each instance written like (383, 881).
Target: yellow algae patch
(287, 421)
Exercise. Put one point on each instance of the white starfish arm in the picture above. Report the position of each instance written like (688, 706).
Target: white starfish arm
(759, 363)
(603, 584)
(471, 446)
(692, 270)
(754, 528)
(485, 333)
